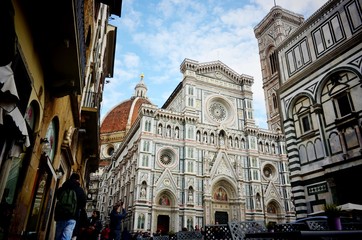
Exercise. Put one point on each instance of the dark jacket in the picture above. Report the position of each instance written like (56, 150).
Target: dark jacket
(126, 235)
(116, 218)
(81, 199)
(82, 223)
(96, 223)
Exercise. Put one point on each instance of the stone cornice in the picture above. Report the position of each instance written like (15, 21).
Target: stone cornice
(277, 12)
(202, 68)
(263, 133)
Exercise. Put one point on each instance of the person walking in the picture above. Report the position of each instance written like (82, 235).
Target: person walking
(94, 227)
(126, 235)
(71, 199)
(81, 224)
(117, 214)
(105, 233)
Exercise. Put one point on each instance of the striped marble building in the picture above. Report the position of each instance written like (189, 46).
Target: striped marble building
(312, 82)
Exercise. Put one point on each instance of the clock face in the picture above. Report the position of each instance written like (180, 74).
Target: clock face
(89, 195)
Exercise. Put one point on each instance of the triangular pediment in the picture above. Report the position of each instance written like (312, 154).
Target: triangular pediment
(222, 166)
(271, 193)
(166, 181)
(218, 76)
(216, 72)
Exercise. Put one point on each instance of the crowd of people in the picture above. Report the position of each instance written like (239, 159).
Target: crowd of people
(77, 225)
(72, 221)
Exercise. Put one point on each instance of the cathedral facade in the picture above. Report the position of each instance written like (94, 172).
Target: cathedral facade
(199, 159)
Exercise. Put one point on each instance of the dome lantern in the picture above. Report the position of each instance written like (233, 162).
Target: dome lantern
(141, 89)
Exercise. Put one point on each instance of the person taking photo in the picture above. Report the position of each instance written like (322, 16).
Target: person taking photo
(117, 214)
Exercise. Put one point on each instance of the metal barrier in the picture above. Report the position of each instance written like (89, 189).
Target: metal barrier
(239, 229)
(318, 225)
(188, 235)
(164, 237)
(290, 227)
(220, 232)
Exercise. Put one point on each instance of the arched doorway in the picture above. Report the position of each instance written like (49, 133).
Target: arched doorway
(224, 205)
(221, 205)
(221, 217)
(273, 211)
(163, 223)
(165, 215)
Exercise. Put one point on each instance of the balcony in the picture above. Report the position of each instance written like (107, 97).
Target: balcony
(90, 116)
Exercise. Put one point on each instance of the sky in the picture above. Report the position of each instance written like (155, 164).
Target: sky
(155, 36)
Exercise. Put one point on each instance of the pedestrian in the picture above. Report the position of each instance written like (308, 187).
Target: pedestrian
(105, 232)
(81, 225)
(126, 235)
(117, 214)
(139, 235)
(71, 199)
(94, 227)
(202, 231)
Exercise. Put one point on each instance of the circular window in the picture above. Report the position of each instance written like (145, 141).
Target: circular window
(167, 157)
(110, 151)
(268, 171)
(219, 109)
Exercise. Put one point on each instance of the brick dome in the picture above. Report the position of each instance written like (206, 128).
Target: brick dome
(122, 117)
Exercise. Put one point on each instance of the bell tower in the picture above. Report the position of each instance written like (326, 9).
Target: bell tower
(270, 32)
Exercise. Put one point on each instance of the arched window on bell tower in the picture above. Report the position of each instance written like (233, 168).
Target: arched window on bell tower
(273, 62)
(275, 101)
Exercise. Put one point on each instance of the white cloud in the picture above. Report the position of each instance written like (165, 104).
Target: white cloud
(164, 33)
(130, 18)
(306, 7)
(131, 60)
(243, 17)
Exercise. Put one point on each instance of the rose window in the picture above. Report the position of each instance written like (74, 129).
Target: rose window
(220, 110)
(269, 171)
(165, 159)
(217, 111)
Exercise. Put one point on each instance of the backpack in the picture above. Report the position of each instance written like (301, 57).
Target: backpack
(67, 203)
